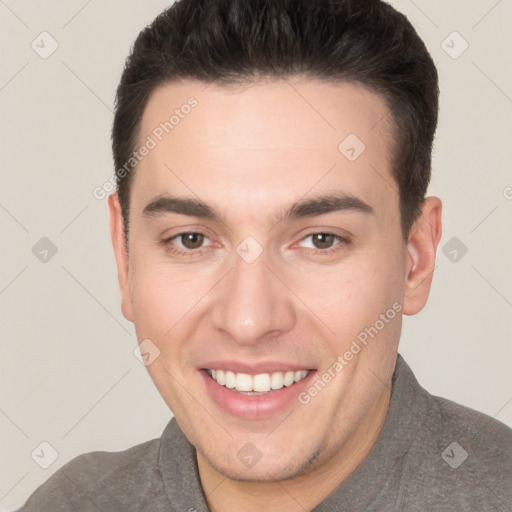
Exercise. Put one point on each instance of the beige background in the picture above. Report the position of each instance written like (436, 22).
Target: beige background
(68, 375)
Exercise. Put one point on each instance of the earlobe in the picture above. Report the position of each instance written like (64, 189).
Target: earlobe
(120, 251)
(421, 255)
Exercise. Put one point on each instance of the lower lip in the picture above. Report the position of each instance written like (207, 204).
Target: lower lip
(254, 406)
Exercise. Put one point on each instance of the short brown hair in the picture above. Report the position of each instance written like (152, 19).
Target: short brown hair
(230, 41)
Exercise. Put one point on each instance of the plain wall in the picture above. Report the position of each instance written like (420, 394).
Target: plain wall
(68, 375)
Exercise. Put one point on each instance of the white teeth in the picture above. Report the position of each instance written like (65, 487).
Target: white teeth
(230, 380)
(289, 378)
(260, 383)
(276, 380)
(300, 375)
(243, 382)
(220, 377)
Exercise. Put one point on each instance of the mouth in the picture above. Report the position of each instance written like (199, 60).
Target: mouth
(259, 384)
(255, 393)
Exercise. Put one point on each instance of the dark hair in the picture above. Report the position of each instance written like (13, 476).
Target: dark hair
(237, 41)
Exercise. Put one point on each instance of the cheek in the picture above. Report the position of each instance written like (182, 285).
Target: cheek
(157, 299)
(348, 298)
(166, 301)
(151, 300)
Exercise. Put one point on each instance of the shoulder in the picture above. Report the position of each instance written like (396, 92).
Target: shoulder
(490, 435)
(102, 480)
(463, 457)
(488, 441)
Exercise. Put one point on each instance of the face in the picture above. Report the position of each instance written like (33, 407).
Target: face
(267, 267)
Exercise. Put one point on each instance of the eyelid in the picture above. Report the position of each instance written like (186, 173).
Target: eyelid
(179, 235)
(177, 231)
(168, 240)
(342, 240)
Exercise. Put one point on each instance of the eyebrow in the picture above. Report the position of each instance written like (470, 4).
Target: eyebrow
(318, 205)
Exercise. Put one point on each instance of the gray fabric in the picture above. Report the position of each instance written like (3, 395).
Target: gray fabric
(405, 471)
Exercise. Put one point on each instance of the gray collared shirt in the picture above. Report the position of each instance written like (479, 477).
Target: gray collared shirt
(432, 455)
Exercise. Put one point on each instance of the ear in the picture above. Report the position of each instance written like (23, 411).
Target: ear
(421, 255)
(121, 254)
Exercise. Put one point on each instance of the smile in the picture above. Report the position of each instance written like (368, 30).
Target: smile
(256, 384)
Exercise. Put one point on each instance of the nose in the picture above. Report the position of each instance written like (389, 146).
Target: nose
(251, 303)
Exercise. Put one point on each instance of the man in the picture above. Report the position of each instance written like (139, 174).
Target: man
(270, 229)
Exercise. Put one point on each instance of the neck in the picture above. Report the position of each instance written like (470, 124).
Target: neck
(302, 492)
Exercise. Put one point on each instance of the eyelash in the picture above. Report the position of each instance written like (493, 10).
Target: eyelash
(198, 252)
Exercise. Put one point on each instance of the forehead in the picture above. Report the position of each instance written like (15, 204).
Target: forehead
(282, 137)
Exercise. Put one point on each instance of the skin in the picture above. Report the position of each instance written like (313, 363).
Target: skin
(250, 152)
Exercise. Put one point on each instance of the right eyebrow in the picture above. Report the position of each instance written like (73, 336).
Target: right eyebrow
(184, 206)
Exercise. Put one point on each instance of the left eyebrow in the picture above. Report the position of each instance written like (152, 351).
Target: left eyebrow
(320, 205)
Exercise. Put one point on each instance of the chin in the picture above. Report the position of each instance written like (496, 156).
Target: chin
(266, 469)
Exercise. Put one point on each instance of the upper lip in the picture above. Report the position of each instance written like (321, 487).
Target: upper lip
(254, 368)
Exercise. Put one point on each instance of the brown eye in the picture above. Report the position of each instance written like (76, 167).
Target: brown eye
(323, 240)
(324, 243)
(192, 240)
